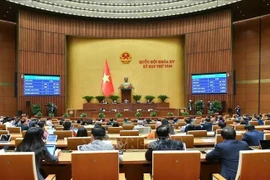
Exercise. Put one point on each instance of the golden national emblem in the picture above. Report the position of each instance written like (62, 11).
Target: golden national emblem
(125, 58)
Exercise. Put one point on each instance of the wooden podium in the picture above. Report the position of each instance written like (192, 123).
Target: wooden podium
(125, 94)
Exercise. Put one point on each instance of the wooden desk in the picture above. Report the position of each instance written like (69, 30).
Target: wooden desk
(114, 136)
(128, 158)
(14, 136)
(198, 141)
(133, 165)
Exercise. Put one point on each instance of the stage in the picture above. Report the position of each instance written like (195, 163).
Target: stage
(126, 109)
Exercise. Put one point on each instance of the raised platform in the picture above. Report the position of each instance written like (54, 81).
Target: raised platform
(122, 106)
(92, 110)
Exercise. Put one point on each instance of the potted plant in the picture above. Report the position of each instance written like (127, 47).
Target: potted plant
(163, 97)
(137, 98)
(138, 114)
(100, 98)
(39, 114)
(211, 113)
(114, 97)
(83, 115)
(118, 115)
(216, 106)
(66, 115)
(101, 115)
(199, 113)
(170, 114)
(185, 113)
(149, 98)
(51, 115)
(199, 105)
(36, 108)
(88, 98)
(153, 114)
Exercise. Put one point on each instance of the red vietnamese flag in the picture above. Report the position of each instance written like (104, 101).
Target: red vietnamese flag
(107, 84)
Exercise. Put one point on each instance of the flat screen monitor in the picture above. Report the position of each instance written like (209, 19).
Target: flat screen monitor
(209, 83)
(41, 85)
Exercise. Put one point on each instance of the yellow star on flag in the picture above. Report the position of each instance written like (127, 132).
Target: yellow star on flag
(106, 78)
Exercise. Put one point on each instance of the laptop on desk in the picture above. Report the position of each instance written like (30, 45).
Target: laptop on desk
(5, 138)
(265, 144)
(51, 148)
(51, 139)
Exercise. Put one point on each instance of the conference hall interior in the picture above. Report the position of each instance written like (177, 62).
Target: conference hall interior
(134, 90)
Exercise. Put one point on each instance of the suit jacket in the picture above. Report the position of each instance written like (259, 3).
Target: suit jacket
(162, 144)
(228, 153)
(98, 145)
(253, 137)
(207, 126)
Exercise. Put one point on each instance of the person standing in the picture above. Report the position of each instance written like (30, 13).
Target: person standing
(238, 110)
(190, 106)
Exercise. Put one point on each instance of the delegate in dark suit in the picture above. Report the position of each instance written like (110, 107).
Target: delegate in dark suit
(207, 125)
(227, 153)
(163, 142)
(252, 136)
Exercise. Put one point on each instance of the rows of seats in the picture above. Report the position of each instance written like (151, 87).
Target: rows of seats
(252, 165)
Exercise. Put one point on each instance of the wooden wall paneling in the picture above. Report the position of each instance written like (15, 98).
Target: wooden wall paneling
(208, 44)
(265, 65)
(7, 68)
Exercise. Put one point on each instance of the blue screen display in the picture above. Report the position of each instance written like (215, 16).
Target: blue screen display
(209, 83)
(40, 85)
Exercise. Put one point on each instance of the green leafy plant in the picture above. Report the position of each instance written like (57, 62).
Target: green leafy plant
(199, 106)
(137, 97)
(114, 97)
(153, 114)
(101, 115)
(163, 97)
(170, 114)
(199, 113)
(66, 115)
(51, 114)
(100, 98)
(118, 115)
(216, 106)
(149, 97)
(185, 113)
(88, 98)
(138, 114)
(36, 108)
(39, 114)
(211, 113)
(83, 115)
